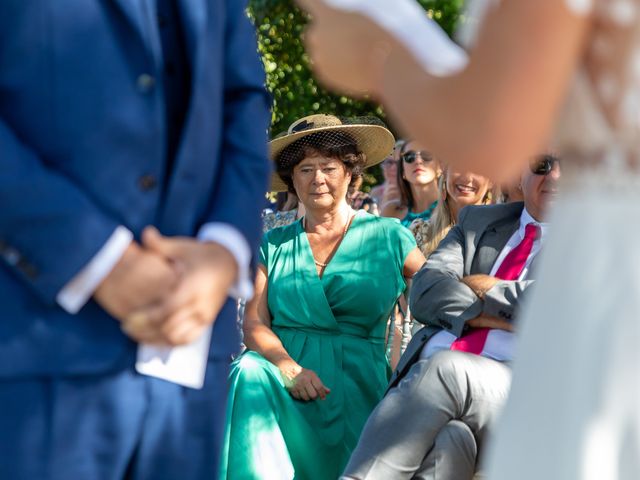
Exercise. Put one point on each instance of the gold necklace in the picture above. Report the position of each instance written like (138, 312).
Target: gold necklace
(344, 233)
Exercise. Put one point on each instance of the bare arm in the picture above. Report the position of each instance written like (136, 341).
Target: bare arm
(302, 383)
(479, 283)
(258, 335)
(390, 202)
(391, 206)
(413, 263)
(485, 321)
(501, 298)
(519, 70)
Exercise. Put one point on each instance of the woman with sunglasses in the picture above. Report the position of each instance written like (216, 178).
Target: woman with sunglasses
(565, 71)
(418, 173)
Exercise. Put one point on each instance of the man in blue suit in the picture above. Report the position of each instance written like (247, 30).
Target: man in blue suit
(116, 115)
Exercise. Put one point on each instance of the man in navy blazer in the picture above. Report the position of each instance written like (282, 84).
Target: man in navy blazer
(116, 115)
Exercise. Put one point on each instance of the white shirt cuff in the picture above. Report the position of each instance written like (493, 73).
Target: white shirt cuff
(77, 292)
(230, 238)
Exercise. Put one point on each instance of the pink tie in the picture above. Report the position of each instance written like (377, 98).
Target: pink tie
(510, 269)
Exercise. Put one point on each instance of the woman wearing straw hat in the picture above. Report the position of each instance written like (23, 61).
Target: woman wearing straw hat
(315, 330)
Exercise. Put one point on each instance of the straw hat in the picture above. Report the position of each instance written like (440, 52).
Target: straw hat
(375, 141)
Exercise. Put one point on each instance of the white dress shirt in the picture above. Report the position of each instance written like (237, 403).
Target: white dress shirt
(77, 292)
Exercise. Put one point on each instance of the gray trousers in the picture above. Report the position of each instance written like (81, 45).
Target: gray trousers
(453, 455)
(415, 430)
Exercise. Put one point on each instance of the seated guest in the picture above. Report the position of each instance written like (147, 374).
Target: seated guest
(457, 190)
(418, 173)
(315, 331)
(388, 191)
(288, 210)
(454, 370)
(369, 205)
(357, 196)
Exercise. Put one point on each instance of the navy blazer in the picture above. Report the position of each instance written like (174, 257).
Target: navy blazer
(82, 150)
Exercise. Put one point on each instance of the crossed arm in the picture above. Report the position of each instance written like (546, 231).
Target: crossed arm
(481, 284)
(443, 296)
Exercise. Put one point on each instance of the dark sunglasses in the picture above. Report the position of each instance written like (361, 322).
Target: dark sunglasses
(543, 164)
(411, 156)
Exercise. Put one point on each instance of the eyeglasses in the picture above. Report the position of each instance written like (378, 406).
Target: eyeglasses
(389, 162)
(543, 164)
(411, 156)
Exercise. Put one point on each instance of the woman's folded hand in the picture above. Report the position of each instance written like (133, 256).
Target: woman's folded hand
(303, 384)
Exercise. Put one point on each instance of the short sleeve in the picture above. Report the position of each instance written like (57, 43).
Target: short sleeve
(402, 242)
(263, 256)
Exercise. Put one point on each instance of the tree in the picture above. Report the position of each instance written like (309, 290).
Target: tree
(289, 79)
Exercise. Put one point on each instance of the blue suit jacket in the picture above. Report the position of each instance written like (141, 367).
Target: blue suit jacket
(82, 140)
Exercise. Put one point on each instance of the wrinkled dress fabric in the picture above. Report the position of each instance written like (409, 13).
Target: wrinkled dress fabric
(334, 325)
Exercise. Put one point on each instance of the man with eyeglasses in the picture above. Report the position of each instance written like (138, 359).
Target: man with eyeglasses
(454, 376)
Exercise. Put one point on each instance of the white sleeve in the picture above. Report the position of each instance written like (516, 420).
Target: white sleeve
(79, 289)
(230, 238)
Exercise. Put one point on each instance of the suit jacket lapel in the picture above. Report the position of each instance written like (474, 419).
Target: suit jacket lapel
(193, 14)
(139, 14)
(193, 17)
(491, 244)
(132, 11)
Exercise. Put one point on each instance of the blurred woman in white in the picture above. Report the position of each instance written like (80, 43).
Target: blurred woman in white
(560, 70)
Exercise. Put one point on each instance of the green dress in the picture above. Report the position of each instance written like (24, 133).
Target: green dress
(335, 326)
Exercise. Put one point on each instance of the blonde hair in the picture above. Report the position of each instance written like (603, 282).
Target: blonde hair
(443, 219)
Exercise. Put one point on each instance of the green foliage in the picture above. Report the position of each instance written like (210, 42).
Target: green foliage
(295, 92)
(445, 12)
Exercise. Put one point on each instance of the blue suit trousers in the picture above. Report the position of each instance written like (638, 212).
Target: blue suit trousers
(110, 427)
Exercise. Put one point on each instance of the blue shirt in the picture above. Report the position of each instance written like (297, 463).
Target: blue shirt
(425, 215)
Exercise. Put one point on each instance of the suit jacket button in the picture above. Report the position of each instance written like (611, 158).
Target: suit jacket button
(145, 83)
(147, 182)
(12, 256)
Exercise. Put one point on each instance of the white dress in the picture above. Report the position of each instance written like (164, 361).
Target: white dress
(574, 407)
